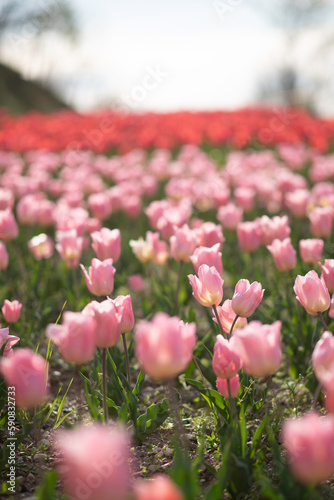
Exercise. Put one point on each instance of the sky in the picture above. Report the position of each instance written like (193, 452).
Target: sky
(161, 54)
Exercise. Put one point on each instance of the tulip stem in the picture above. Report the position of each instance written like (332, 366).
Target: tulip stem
(179, 429)
(316, 396)
(178, 283)
(104, 384)
(214, 307)
(126, 358)
(323, 322)
(231, 401)
(233, 324)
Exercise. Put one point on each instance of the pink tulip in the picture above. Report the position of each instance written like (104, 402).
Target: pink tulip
(75, 337)
(227, 316)
(245, 198)
(327, 273)
(107, 244)
(136, 283)
(108, 322)
(160, 487)
(94, 462)
(208, 287)
(285, 256)
(8, 227)
(209, 256)
(312, 293)
(4, 259)
(11, 311)
(9, 340)
(311, 250)
(164, 346)
(323, 356)
(210, 234)
(100, 205)
(230, 216)
(100, 278)
(331, 308)
(297, 201)
(309, 442)
(226, 361)
(321, 222)
(123, 305)
(183, 244)
(249, 235)
(276, 228)
(222, 386)
(160, 248)
(69, 245)
(143, 249)
(25, 374)
(259, 347)
(246, 297)
(41, 246)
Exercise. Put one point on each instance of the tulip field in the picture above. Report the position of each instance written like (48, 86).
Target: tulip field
(167, 302)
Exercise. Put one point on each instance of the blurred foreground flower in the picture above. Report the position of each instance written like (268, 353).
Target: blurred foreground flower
(160, 487)
(94, 462)
(309, 442)
(25, 374)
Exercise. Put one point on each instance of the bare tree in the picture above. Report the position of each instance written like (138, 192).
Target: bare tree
(40, 16)
(290, 85)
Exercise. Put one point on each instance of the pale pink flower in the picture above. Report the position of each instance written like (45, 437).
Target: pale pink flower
(311, 250)
(100, 277)
(309, 442)
(247, 297)
(27, 373)
(259, 347)
(164, 346)
(208, 286)
(312, 293)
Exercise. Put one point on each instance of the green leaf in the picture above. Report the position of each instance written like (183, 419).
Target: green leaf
(257, 437)
(211, 396)
(149, 421)
(60, 408)
(139, 384)
(46, 490)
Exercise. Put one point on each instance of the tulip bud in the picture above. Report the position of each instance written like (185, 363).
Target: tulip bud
(107, 244)
(312, 293)
(259, 347)
(323, 355)
(212, 257)
(222, 386)
(284, 254)
(208, 287)
(226, 361)
(100, 278)
(327, 273)
(11, 311)
(311, 250)
(246, 297)
(124, 308)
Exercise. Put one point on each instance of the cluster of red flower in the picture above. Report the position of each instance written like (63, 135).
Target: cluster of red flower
(110, 130)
